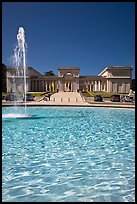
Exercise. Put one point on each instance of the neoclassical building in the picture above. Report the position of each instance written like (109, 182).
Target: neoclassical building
(115, 79)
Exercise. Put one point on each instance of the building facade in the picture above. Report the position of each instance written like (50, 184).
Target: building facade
(115, 79)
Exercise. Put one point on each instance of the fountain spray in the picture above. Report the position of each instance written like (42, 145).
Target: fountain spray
(19, 75)
(20, 56)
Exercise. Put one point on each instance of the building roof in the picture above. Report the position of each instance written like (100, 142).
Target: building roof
(114, 67)
(68, 68)
(34, 70)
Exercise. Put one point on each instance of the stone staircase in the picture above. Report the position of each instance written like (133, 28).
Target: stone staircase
(67, 97)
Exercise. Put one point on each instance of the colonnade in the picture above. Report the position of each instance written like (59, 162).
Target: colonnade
(68, 86)
(43, 85)
(52, 85)
(93, 86)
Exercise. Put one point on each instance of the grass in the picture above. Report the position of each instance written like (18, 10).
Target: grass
(33, 93)
(87, 94)
(101, 93)
(37, 93)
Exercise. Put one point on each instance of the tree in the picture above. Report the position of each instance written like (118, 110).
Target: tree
(49, 73)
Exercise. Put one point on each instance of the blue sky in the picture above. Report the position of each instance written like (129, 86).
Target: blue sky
(89, 35)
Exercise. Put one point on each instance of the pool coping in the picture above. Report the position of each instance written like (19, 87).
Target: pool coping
(84, 104)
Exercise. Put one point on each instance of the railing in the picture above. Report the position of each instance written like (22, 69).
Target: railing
(91, 93)
(83, 98)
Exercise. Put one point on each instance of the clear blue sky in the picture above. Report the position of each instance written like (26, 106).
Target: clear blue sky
(89, 35)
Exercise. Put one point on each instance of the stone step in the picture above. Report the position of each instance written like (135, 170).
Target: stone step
(66, 97)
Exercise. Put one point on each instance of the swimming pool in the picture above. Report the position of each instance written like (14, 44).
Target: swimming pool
(69, 154)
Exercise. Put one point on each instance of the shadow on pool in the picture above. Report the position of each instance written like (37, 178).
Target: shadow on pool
(35, 117)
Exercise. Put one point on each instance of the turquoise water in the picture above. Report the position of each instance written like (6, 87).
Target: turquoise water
(69, 154)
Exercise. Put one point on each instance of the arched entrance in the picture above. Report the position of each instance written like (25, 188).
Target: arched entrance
(68, 82)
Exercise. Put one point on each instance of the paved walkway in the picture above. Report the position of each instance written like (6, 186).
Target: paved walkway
(76, 104)
(70, 99)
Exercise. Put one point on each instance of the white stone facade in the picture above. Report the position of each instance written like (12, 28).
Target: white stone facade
(118, 78)
(115, 79)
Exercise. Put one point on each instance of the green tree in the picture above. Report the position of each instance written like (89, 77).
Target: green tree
(49, 73)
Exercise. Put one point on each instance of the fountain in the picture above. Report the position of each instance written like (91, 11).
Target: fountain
(19, 75)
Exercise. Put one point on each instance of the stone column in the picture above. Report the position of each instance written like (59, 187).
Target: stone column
(28, 81)
(65, 86)
(30, 86)
(123, 88)
(104, 86)
(95, 87)
(56, 85)
(53, 86)
(42, 85)
(110, 86)
(101, 86)
(107, 86)
(60, 85)
(33, 88)
(34, 85)
(68, 84)
(72, 86)
(50, 86)
(87, 85)
(98, 85)
(90, 87)
(39, 86)
(45, 85)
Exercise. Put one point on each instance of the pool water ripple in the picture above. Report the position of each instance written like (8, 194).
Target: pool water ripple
(69, 155)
